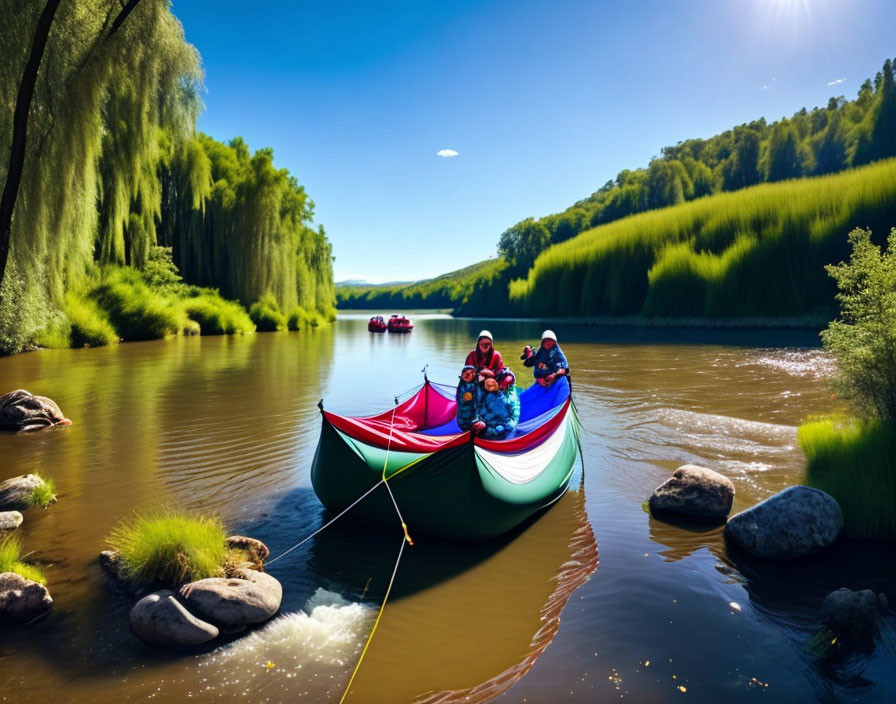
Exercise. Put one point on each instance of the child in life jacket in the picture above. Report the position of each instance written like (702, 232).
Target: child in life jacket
(467, 397)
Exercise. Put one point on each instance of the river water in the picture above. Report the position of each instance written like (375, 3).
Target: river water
(593, 601)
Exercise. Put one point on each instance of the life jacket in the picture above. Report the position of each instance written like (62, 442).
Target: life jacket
(547, 362)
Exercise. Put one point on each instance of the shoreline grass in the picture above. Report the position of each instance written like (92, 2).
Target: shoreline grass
(170, 547)
(11, 561)
(855, 462)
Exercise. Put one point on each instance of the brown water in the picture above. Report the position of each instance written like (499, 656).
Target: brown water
(229, 425)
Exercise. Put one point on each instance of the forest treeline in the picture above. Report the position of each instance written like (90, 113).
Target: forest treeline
(826, 140)
(116, 186)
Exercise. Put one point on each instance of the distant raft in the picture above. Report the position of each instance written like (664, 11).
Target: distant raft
(447, 483)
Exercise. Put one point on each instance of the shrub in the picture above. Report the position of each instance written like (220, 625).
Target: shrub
(11, 561)
(137, 311)
(170, 548)
(863, 339)
(266, 314)
(89, 326)
(44, 493)
(301, 319)
(217, 316)
(854, 462)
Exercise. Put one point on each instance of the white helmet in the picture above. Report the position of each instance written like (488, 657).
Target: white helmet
(548, 335)
(485, 333)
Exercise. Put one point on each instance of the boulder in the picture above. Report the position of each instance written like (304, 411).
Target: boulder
(10, 520)
(16, 493)
(795, 522)
(845, 609)
(22, 600)
(159, 619)
(252, 597)
(695, 492)
(22, 410)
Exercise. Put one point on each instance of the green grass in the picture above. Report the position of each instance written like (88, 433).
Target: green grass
(11, 561)
(756, 252)
(136, 310)
(170, 548)
(266, 315)
(217, 316)
(89, 326)
(44, 493)
(855, 462)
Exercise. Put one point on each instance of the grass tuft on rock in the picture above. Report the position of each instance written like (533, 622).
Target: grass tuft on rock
(11, 561)
(44, 493)
(853, 461)
(171, 547)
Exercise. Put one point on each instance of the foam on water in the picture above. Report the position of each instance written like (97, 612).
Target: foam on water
(311, 652)
(815, 364)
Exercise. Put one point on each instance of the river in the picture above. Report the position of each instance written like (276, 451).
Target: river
(594, 601)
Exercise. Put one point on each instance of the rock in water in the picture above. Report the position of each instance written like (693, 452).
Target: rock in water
(22, 410)
(10, 520)
(846, 610)
(22, 600)
(795, 522)
(695, 492)
(16, 493)
(251, 598)
(256, 550)
(159, 619)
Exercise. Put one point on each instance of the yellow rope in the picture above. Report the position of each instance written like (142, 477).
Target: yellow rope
(375, 624)
(405, 539)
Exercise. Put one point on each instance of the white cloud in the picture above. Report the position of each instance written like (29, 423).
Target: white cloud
(837, 82)
(447, 152)
(764, 87)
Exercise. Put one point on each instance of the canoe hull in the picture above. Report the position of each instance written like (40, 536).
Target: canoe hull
(458, 493)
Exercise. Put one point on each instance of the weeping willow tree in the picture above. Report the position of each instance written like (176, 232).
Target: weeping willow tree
(112, 166)
(238, 223)
(108, 85)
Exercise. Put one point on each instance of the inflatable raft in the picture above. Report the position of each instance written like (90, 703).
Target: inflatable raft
(446, 482)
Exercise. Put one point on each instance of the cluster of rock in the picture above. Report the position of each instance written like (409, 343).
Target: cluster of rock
(21, 410)
(795, 522)
(21, 600)
(200, 611)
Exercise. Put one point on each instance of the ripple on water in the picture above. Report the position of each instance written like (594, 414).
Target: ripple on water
(813, 364)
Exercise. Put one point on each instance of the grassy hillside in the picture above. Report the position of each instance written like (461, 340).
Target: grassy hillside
(446, 291)
(756, 252)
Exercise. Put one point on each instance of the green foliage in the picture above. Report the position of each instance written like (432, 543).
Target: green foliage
(88, 325)
(114, 168)
(453, 290)
(521, 245)
(44, 493)
(170, 548)
(863, 338)
(758, 252)
(137, 311)
(160, 269)
(266, 315)
(217, 316)
(11, 561)
(853, 461)
(301, 319)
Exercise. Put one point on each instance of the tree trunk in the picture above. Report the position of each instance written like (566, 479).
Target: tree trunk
(20, 128)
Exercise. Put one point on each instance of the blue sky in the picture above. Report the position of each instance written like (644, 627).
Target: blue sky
(542, 101)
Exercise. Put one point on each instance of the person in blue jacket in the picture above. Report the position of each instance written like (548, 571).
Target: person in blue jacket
(467, 396)
(499, 405)
(549, 361)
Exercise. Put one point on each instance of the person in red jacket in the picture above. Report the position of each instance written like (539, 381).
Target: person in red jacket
(485, 356)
